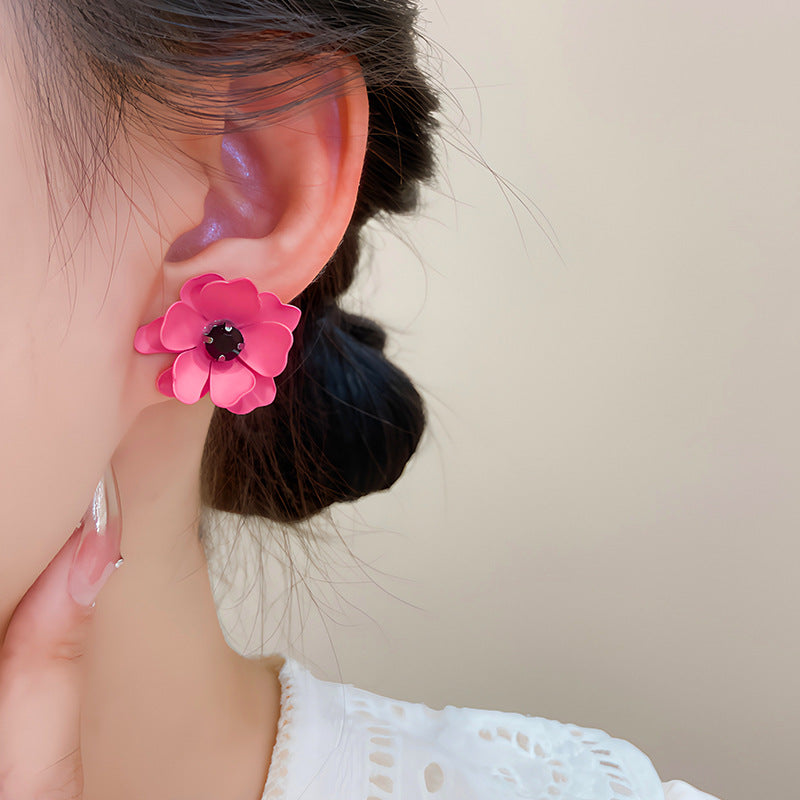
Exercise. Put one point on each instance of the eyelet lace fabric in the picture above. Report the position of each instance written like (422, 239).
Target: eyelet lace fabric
(336, 741)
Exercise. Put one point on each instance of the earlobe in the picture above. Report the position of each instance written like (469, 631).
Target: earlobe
(281, 195)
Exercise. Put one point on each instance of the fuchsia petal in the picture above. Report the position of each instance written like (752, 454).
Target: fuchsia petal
(234, 300)
(273, 310)
(266, 347)
(191, 375)
(164, 381)
(242, 384)
(148, 338)
(262, 395)
(183, 327)
(230, 380)
(191, 289)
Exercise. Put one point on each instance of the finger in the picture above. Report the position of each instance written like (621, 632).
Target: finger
(45, 625)
(39, 702)
(40, 667)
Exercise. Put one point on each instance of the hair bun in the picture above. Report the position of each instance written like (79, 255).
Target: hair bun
(365, 417)
(364, 330)
(344, 423)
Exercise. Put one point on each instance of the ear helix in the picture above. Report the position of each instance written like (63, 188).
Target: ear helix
(230, 339)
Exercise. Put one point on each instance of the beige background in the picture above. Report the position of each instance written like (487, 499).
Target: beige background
(601, 525)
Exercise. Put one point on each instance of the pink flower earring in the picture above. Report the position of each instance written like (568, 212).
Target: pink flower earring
(231, 340)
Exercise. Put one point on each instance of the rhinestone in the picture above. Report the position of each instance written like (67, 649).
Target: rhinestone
(223, 342)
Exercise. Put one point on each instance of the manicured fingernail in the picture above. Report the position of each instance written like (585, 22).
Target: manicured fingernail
(98, 553)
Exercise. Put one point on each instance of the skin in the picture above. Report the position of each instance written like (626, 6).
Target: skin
(158, 703)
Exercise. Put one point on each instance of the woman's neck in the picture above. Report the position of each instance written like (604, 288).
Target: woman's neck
(170, 711)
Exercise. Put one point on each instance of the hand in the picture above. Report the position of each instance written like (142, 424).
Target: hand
(40, 666)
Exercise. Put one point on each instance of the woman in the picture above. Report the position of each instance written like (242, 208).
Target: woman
(184, 186)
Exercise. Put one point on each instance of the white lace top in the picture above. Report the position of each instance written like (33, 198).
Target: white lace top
(338, 742)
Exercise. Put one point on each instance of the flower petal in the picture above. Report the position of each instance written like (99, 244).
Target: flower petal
(191, 374)
(191, 289)
(266, 347)
(234, 300)
(148, 338)
(183, 327)
(230, 380)
(164, 381)
(263, 394)
(273, 310)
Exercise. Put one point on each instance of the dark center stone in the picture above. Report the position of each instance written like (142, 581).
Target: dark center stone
(223, 342)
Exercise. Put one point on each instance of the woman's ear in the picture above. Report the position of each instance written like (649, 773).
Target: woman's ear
(279, 196)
